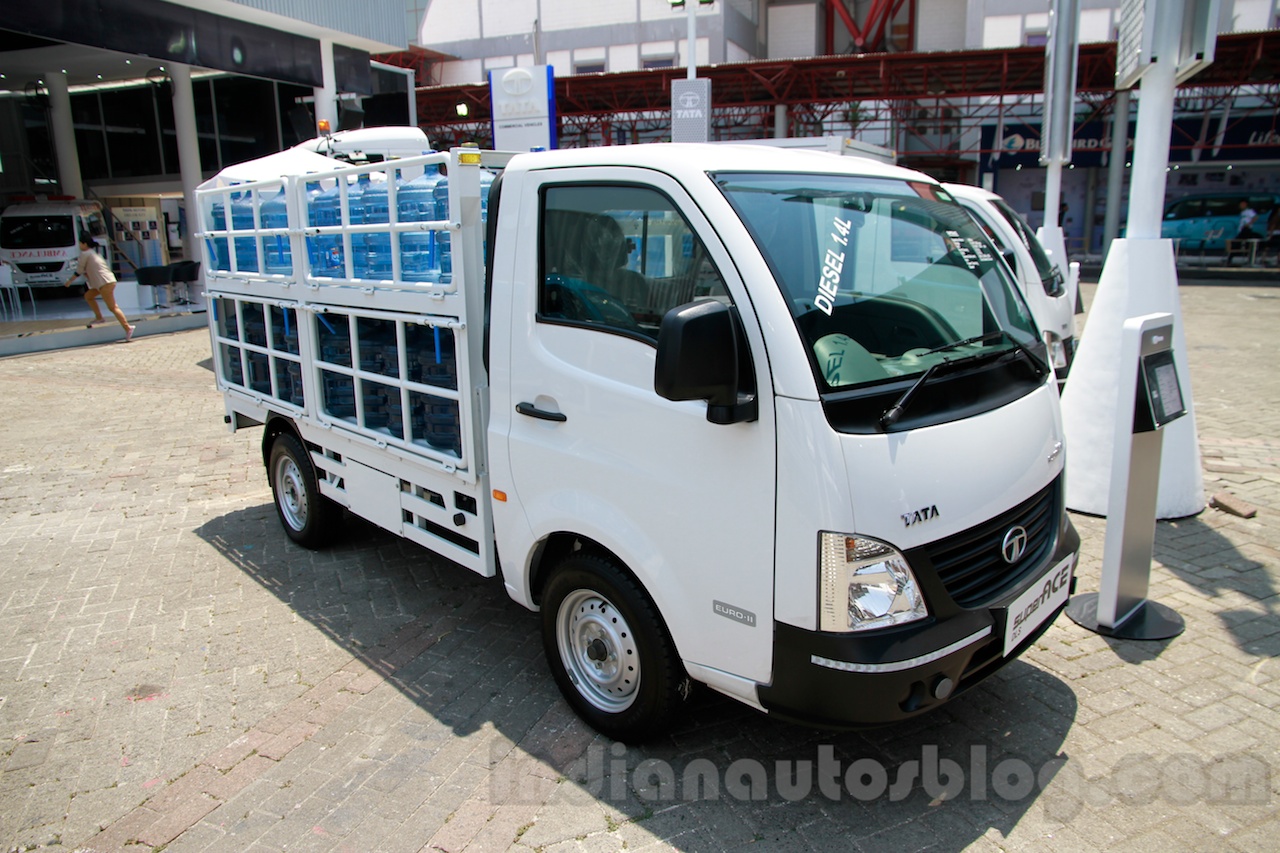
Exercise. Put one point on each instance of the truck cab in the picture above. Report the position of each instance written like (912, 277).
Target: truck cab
(1039, 278)
(775, 423)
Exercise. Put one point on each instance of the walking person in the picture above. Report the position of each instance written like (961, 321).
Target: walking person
(101, 282)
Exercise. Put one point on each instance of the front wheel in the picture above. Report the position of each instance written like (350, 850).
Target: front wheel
(609, 651)
(308, 517)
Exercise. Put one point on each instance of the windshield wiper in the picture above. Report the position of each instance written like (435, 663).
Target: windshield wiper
(894, 413)
(967, 341)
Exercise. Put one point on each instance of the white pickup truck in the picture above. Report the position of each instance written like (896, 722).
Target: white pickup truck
(774, 423)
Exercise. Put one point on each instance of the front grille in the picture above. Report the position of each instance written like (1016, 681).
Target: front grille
(52, 266)
(971, 565)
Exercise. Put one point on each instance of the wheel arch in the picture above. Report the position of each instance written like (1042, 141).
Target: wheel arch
(556, 547)
(274, 426)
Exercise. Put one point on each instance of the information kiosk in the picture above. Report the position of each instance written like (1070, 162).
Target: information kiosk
(1150, 396)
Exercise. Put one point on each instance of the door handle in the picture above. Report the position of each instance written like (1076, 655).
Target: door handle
(542, 414)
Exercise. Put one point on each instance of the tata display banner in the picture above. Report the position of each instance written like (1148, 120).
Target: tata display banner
(524, 108)
(691, 110)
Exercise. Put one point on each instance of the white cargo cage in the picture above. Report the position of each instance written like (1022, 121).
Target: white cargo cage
(773, 422)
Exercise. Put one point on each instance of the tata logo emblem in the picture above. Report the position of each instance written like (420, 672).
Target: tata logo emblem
(1014, 545)
(517, 82)
(690, 100)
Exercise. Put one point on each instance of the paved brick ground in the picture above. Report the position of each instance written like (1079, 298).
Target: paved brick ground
(175, 674)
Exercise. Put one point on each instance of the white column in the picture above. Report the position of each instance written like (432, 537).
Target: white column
(780, 121)
(411, 80)
(1138, 278)
(1151, 152)
(691, 60)
(327, 92)
(1115, 169)
(64, 134)
(184, 120)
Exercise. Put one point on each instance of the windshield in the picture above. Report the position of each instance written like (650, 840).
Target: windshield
(1050, 275)
(36, 232)
(885, 278)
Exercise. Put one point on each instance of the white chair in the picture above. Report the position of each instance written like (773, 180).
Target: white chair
(11, 295)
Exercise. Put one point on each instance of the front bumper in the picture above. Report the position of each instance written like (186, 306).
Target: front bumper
(855, 680)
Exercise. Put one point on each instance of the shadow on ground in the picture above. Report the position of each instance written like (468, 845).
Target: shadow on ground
(727, 774)
(1202, 557)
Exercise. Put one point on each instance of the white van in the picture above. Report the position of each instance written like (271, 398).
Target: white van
(41, 239)
(1041, 280)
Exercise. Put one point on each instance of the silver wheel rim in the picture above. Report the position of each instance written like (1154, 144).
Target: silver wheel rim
(291, 493)
(599, 650)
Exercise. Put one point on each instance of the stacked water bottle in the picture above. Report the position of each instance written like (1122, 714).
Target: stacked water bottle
(324, 209)
(425, 256)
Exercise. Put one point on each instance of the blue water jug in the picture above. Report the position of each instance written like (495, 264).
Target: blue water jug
(377, 210)
(277, 256)
(355, 206)
(325, 250)
(242, 219)
(219, 254)
(443, 248)
(444, 253)
(416, 202)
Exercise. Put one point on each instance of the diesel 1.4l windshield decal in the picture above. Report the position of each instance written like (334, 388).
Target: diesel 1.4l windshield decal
(832, 265)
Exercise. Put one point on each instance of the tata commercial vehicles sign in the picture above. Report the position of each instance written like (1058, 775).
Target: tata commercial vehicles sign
(524, 108)
(690, 110)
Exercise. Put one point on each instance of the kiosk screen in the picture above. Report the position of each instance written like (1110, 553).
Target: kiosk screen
(1163, 393)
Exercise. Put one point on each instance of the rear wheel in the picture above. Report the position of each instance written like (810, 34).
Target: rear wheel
(609, 651)
(308, 517)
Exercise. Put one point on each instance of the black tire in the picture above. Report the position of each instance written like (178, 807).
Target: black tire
(308, 517)
(608, 650)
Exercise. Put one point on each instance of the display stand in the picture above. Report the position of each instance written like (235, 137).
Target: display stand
(1150, 396)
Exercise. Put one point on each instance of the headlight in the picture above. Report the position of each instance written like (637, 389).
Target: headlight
(1057, 350)
(865, 584)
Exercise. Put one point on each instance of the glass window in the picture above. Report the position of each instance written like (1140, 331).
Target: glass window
(246, 112)
(37, 232)
(1050, 274)
(131, 131)
(618, 258)
(1188, 208)
(885, 278)
(1228, 206)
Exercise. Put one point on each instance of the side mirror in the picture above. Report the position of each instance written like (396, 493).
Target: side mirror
(698, 360)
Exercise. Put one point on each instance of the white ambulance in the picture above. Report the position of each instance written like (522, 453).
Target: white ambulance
(41, 238)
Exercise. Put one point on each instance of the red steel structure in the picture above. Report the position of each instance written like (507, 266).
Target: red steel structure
(929, 99)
